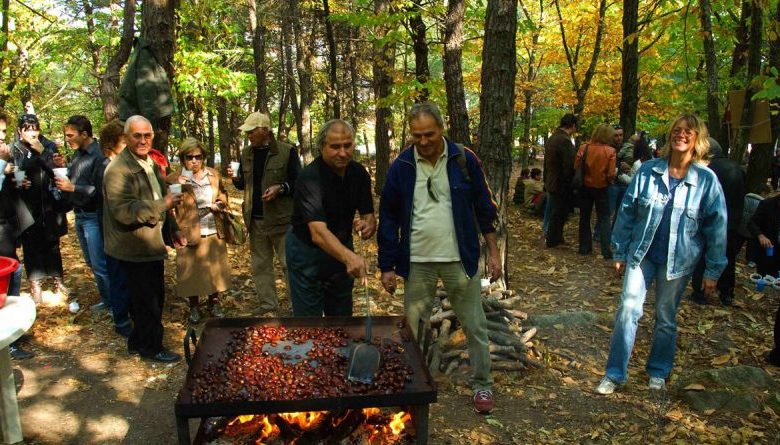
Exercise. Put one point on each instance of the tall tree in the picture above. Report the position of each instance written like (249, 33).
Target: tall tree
(110, 80)
(303, 64)
(581, 87)
(383, 83)
(710, 59)
(259, 32)
(629, 87)
(420, 44)
(333, 87)
(530, 70)
(497, 106)
(158, 25)
(457, 113)
(753, 60)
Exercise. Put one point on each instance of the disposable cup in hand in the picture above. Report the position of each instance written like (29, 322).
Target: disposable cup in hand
(19, 176)
(770, 251)
(61, 172)
(235, 166)
(174, 188)
(760, 284)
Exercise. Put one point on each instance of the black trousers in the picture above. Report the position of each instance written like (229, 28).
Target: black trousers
(600, 198)
(734, 242)
(146, 291)
(560, 204)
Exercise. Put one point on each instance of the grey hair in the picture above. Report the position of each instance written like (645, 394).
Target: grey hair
(133, 119)
(426, 108)
(319, 140)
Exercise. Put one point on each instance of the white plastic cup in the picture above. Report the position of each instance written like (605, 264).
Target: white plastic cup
(60, 172)
(19, 176)
(174, 188)
(235, 166)
(484, 284)
(74, 307)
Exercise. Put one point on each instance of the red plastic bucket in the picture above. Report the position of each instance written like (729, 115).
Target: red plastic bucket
(7, 267)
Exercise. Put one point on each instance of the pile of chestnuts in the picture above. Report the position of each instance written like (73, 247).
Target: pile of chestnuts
(260, 363)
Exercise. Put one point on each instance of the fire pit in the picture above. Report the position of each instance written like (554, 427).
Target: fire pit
(207, 394)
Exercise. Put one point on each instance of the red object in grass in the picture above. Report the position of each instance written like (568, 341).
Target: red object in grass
(7, 267)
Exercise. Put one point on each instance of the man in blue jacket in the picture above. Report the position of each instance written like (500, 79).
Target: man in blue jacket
(434, 204)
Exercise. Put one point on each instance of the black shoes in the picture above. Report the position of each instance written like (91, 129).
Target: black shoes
(698, 297)
(772, 358)
(727, 300)
(17, 353)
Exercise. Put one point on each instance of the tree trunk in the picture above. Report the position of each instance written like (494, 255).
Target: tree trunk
(457, 113)
(742, 39)
(629, 86)
(352, 62)
(289, 77)
(223, 162)
(158, 25)
(742, 133)
(4, 90)
(332, 91)
(497, 107)
(383, 82)
(259, 33)
(224, 131)
(421, 71)
(713, 114)
(284, 92)
(530, 74)
(303, 64)
(110, 80)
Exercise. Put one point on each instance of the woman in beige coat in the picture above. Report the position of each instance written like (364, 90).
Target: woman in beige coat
(202, 265)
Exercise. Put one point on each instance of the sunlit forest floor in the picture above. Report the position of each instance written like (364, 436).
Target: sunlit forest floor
(83, 388)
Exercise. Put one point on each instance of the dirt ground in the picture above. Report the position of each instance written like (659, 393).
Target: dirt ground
(83, 388)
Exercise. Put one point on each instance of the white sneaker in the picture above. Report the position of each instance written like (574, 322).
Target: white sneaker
(657, 384)
(606, 386)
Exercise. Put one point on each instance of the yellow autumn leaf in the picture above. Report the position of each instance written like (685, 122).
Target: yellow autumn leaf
(721, 360)
(694, 387)
(674, 415)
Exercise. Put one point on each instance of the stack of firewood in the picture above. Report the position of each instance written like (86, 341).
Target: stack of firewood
(511, 348)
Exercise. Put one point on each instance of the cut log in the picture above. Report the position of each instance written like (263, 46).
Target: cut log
(445, 304)
(518, 314)
(527, 360)
(528, 335)
(507, 366)
(434, 363)
(507, 340)
(457, 340)
(438, 317)
(444, 331)
(452, 367)
(500, 349)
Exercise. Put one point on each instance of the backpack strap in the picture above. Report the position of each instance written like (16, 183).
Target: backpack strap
(461, 160)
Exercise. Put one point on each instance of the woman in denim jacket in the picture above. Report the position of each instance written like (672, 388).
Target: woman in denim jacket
(672, 213)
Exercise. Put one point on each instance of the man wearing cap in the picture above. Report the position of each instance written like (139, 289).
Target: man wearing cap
(267, 175)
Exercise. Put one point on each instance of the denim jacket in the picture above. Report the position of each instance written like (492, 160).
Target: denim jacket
(698, 221)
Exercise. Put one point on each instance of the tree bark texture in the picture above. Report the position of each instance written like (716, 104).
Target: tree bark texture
(742, 36)
(421, 71)
(530, 72)
(6, 5)
(333, 87)
(303, 64)
(457, 113)
(158, 25)
(289, 78)
(742, 132)
(110, 80)
(383, 82)
(629, 86)
(497, 106)
(259, 33)
(713, 114)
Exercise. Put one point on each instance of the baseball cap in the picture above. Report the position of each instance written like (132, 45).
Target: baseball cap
(254, 120)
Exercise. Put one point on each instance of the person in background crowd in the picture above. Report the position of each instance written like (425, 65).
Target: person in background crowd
(83, 188)
(775, 170)
(322, 264)
(433, 208)
(519, 196)
(558, 174)
(202, 266)
(35, 155)
(599, 174)
(673, 212)
(267, 176)
(11, 225)
(765, 226)
(751, 202)
(112, 142)
(135, 211)
(534, 197)
(732, 181)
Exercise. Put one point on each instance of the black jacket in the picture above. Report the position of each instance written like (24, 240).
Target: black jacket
(732, 180)
(558, 162)
(766, 220)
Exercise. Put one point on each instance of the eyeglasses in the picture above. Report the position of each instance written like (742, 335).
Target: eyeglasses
(685, 131)
(193, 157)
(431, 191)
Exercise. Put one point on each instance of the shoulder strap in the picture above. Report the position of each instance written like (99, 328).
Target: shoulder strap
(461, 160)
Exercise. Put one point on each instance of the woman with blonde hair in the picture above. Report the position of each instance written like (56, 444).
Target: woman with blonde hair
(598, 160)
(673, 212)
(202, 265)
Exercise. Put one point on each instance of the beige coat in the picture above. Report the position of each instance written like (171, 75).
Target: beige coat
(187, 211)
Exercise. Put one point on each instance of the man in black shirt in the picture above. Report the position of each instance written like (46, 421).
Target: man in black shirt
(320, 259)
(267, 175)
(83, 188)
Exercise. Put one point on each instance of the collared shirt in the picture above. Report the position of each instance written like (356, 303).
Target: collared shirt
(204, 195)
(148, 166)
(86, 174)
(433, 236)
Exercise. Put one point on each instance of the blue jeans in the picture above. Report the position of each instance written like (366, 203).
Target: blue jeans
(667, 298)
(311, 293)
(15, 281)
(120, 297)
(91, 241)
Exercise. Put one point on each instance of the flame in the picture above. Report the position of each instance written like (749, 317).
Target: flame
(303, 420)
(397, 425)
(269, 430)
(242, 419)
(368, 412)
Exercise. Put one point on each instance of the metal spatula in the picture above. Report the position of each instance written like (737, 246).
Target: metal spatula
(364, 358)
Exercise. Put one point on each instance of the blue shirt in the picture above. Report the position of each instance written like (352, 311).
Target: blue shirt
(659, 249)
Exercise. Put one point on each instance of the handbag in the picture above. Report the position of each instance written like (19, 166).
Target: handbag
(579, 175)
(230, 228)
